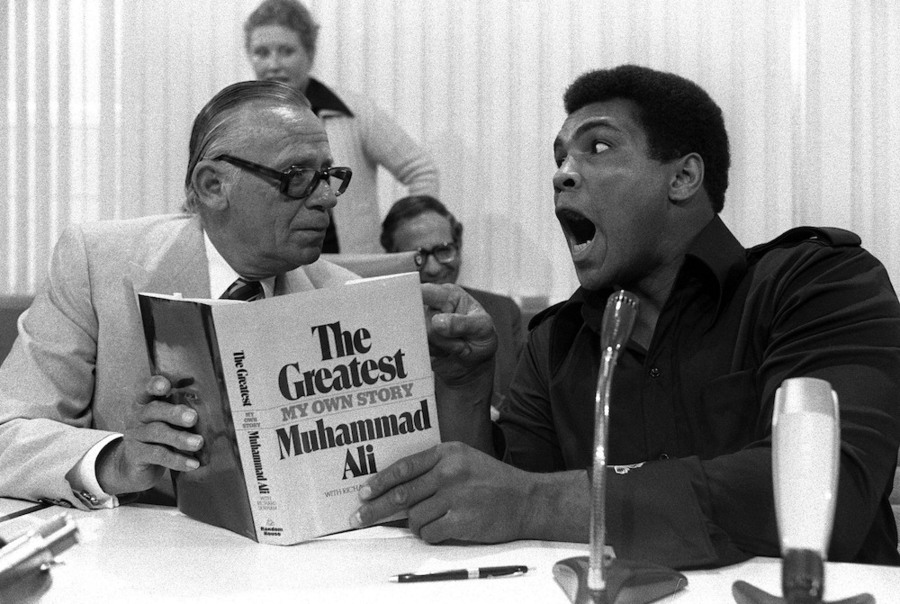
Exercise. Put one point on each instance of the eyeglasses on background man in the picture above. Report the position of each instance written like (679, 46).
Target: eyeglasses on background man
(444, 253)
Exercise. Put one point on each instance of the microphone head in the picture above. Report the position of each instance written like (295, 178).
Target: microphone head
(805, 466)
(805, 462)
(618, 320)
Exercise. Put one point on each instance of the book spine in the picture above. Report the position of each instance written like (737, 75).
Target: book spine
(255, 444)
(182, 347)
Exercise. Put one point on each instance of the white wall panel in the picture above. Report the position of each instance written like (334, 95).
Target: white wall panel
(97, 99)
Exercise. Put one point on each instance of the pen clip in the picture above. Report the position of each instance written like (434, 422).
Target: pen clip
(495, 572)
(515, 573)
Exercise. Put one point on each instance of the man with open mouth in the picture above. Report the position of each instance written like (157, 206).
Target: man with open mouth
(642, 169)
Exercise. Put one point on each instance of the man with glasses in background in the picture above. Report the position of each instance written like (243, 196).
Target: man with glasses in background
(423, 224)
(81, 420)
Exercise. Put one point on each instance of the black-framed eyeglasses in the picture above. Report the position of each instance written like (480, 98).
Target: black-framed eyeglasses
(442, 252)
(296, 182)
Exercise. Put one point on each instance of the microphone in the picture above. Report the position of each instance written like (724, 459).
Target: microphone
(596, 578)
(805, 462)
(618, 323)
(805, 466)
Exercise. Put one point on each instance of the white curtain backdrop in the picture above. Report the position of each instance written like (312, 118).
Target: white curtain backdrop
(97, 99)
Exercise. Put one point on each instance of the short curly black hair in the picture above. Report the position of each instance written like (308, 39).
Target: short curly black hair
(677, 115)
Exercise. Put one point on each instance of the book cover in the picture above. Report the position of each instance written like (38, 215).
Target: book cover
(301, 398)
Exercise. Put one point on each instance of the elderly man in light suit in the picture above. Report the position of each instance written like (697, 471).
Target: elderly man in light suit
(81, 420)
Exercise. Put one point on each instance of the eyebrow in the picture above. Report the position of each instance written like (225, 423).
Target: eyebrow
(310, 164)
(594, 122)
(302, 158)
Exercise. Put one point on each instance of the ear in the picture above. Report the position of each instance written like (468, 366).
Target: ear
(209, 183)
(687, 178)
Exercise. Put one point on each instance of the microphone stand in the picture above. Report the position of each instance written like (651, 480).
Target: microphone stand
(598, 579)
(618, 322)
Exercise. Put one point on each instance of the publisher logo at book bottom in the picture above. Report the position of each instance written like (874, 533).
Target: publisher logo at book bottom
(271, 529)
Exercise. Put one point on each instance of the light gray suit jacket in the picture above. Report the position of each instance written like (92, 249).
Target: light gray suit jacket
(80, 358)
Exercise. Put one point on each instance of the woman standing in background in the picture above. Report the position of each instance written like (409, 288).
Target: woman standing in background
(280, 38)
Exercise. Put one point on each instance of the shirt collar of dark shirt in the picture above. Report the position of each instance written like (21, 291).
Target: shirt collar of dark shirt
(324, 99)
(715, 257)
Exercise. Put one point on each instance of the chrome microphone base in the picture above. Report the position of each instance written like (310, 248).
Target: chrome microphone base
(627, 581)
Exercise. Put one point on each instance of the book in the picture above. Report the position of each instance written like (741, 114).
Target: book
(300, 398)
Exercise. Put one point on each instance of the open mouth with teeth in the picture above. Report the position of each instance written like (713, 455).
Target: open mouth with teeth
(579, 230)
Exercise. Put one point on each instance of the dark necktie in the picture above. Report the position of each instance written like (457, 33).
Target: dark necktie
(243, 289)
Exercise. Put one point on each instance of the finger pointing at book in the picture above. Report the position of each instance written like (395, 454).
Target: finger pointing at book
(458, 327)
(462, 342)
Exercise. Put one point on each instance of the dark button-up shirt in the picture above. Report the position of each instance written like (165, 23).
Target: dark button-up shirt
(696, 406)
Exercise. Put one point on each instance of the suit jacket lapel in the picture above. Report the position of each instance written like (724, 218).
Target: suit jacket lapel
(178, 263)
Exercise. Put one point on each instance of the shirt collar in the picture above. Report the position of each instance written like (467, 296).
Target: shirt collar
(722, 258)
(221, 275)
(715, 255)
(324, 100)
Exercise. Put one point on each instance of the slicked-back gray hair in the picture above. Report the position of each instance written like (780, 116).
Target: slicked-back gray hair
(216, 118)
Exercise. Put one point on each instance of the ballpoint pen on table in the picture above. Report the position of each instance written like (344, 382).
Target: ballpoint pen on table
(485, 572)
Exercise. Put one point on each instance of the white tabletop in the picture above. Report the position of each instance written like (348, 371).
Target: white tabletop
(141, 553)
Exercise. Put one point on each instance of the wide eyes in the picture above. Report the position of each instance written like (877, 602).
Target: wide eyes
(594, 148)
